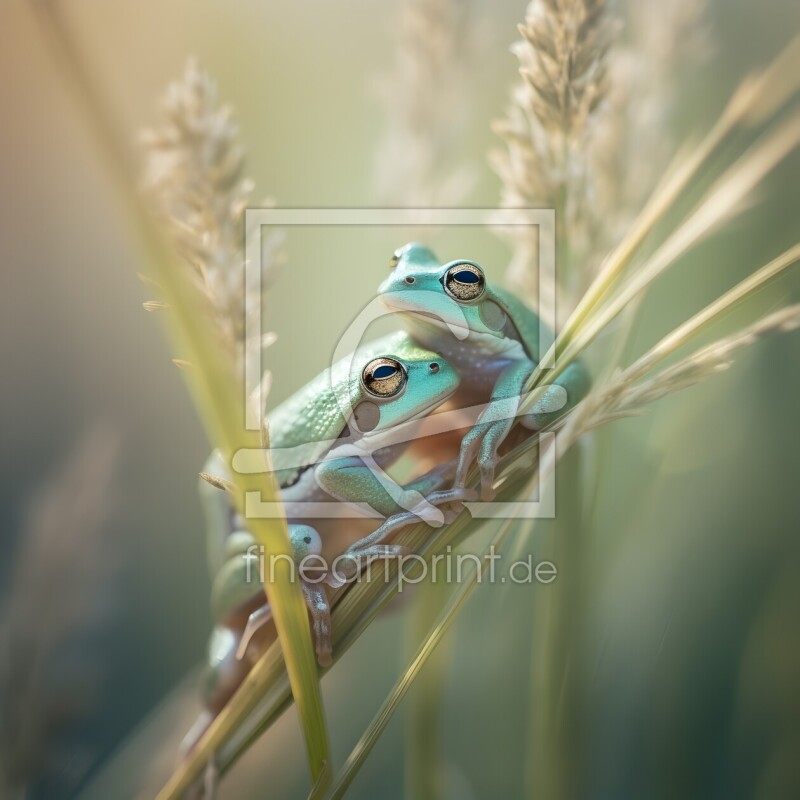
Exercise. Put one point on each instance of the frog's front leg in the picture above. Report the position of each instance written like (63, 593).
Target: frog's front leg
(490, 431)
(359, 480)
(350, 480)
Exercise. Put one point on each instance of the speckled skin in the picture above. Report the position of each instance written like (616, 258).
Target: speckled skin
(317, 420)
(499, 351)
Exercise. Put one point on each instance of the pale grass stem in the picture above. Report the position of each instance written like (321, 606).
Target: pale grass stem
(623, 396)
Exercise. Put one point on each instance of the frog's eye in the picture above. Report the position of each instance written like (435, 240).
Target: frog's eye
(464, 282)
(305, 541)
(383, 377)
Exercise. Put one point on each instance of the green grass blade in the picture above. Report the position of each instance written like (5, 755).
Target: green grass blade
(215, 390)
(743, 291)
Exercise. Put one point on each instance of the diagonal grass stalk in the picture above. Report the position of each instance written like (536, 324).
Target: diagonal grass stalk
(756, 100)
(423, 723)
(373, 732)
(717, 205)
(220, 404)
(743, 290)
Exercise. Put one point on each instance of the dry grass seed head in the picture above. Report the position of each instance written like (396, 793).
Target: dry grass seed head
(194, 172)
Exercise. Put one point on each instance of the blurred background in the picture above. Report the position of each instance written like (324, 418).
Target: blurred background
(684, 675)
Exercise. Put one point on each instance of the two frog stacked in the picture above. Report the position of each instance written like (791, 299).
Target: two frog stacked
(333, 439)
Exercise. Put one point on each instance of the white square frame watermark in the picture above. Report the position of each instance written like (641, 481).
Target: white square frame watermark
(497, 218)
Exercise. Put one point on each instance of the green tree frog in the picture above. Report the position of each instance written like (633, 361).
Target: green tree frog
(332, 441)
(489, 336)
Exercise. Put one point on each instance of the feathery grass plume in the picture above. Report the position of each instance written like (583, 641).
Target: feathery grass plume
(625, 392)
(758, 101)
(724, 199)
(622, 398)
(550, 123)
(426, 103)
(194, 166)
(64, 564)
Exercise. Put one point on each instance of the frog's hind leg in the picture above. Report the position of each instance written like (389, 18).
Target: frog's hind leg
(352, 477)
(492, 428)
(558, 398)
(481, 443)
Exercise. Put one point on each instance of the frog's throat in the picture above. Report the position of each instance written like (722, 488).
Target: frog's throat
(429, 333)
(415, 315)
(394, 434)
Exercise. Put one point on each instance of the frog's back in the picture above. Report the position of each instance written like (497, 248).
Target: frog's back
(306, 423)
(302, 427)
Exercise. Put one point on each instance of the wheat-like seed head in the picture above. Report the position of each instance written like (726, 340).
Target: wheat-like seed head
(623, 396)
(194, 173)
(563, 63)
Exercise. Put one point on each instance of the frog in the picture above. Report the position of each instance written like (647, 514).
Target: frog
(332, 440)
(490, 336)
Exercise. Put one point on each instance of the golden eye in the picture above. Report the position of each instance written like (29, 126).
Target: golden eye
(464, 282)
(395, 259)
(383, 377)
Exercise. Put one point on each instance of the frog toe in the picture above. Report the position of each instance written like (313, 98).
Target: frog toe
(322, 636)
(255, 622)
(488, 492)
(469, 449)
(487, 461)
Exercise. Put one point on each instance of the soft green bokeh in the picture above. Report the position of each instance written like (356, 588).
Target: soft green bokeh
(684, 676)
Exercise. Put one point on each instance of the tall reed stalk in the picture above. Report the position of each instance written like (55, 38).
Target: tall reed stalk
(215, 388)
